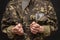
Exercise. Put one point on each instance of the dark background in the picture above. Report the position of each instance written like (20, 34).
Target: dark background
(56, 4)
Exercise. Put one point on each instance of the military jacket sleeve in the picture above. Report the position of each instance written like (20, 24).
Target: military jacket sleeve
(9, 20)
(52, 20)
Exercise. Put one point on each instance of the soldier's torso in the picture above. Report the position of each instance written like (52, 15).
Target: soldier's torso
(33, 12)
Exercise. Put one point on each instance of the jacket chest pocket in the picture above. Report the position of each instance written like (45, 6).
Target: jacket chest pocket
(37, 16)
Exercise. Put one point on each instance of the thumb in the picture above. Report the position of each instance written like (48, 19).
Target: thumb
(19, 25)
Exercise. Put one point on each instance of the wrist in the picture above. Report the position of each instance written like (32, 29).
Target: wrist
(41, 29)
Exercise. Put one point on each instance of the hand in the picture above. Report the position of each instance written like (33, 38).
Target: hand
(35, 28)
(40, 29)
(18, 29)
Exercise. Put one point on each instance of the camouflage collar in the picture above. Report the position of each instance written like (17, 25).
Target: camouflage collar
(25, 3)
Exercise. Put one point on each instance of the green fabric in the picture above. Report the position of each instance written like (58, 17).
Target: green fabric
(8, 31)
(47, 30)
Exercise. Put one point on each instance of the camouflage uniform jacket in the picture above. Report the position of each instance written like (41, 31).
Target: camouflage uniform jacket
(26, 11)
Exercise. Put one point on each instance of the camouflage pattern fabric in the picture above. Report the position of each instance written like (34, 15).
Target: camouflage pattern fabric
(25, 12)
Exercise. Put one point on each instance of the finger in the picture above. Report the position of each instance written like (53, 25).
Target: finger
(20, 32)
(15, 30)
(34, 30)
(33, 22)
(37, 29)
(37, 24)
(34, 26)
(19, 25)
(20, 29)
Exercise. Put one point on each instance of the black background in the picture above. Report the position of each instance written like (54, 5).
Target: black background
(56, 4)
